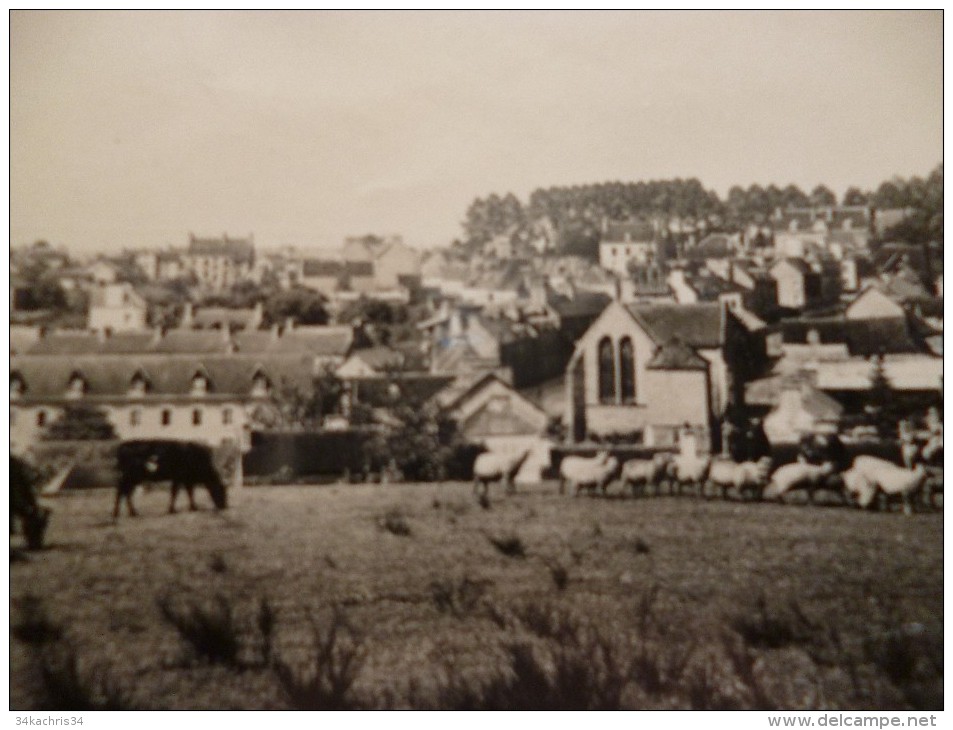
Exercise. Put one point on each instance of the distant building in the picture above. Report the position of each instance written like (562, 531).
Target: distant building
(799, 286)
(627, 241)
(116, 308)
(218, 263)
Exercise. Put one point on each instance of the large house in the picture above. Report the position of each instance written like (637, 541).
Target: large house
(116, 308)
(645, 371)
(180, 384)
(627, 241)
(798, 230)
(218, 263)
(189, 397)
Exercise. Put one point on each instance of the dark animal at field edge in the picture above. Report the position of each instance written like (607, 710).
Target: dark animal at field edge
(184, 464)
(750, 444)
(24, 506)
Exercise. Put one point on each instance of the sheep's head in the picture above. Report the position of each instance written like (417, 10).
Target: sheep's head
(602, 457)
(858, 486)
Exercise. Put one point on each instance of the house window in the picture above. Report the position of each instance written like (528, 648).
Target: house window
(627, 370)
(41, 419)
(226, 416)
(197, 417)
(166, 417)
(135, 417)
(606, 371)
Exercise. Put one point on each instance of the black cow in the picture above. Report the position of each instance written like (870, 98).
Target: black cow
(24, 506)
(183, 463)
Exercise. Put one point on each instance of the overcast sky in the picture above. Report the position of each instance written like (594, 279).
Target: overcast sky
(132, 129)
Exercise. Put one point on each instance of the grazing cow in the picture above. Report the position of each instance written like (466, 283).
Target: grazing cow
(589, 473)
(24, 506)
(182, 463)
(492, 467)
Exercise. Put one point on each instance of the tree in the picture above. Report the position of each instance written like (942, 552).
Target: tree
(300, 304)
(822, 196)
(855, 196)
(295, 408)
(80, 423)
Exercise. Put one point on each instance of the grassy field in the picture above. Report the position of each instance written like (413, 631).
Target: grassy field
(415, 596)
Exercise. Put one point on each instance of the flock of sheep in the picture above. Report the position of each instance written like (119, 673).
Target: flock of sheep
(869, 482)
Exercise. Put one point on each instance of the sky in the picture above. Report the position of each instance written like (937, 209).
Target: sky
(132, 129)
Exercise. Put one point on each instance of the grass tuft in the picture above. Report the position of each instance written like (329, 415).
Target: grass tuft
(511, 546)
(72, 688)
(395, 523)
(327, 681)
(210, 630)
(35, 626)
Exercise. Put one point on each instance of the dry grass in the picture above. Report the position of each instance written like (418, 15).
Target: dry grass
(854, 618)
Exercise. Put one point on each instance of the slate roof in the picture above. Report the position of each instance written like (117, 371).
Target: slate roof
(193, 341)
(379, 358)
(322, 267)
(584, 304)
(315, 341)
(863, 337)
(638, 230)
(208, 317)
(767, 392)
(714, 246)
(359, 268)
(241, 250)
(675, 355)
(111, 377)
(22, 338)
(695, 325)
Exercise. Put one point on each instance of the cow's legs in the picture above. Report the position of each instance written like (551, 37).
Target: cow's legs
(190, 490)
(124, 491)
(175, 494)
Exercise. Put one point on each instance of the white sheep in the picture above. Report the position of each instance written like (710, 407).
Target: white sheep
(643, 473)
(587, 472)
(689, 469)
(492, 467)
(746, 477)
(798, 475)
(870, 476)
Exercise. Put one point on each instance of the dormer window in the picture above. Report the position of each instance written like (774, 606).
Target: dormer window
(76, 387)
(199, 384)
(139, 385)
(260, 385)
(17, 386)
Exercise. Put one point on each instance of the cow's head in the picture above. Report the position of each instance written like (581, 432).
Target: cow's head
(216, 488)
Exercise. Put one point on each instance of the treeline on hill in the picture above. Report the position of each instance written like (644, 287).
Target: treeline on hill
(571, 217)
